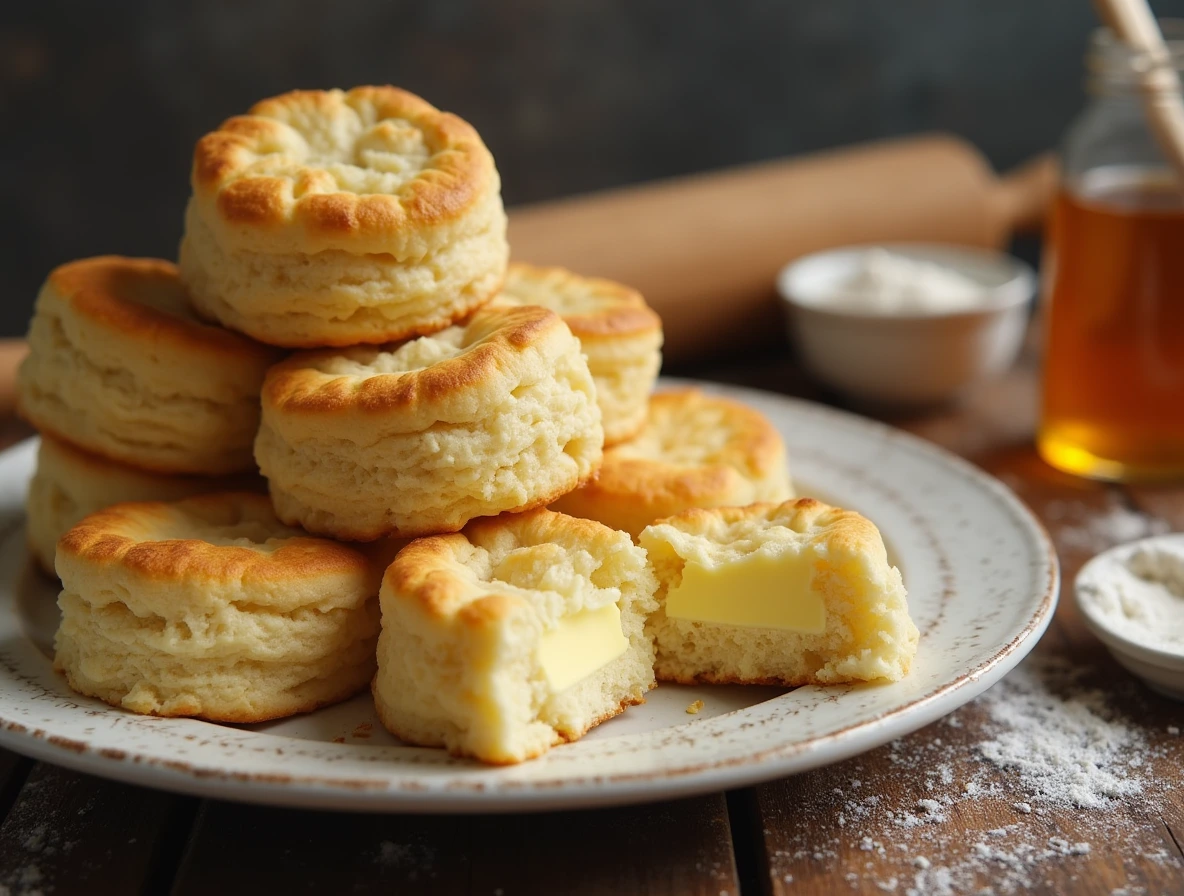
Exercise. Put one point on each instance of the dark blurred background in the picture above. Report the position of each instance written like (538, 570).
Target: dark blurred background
(102, 101)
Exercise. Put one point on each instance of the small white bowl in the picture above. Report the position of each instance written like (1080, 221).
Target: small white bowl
(914, 358)
(1161, 670)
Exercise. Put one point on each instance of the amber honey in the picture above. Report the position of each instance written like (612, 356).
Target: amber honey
(1113, 404)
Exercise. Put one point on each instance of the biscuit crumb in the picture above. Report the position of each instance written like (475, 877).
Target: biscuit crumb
(695, 707)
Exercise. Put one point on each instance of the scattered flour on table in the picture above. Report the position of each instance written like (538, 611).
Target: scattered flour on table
(40, 830)
(1045, 741)
(1067, 751)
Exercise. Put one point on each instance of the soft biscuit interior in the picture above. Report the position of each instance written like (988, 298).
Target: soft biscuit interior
(537, 642)
(581, 621)
(777, 596)
(576, 618)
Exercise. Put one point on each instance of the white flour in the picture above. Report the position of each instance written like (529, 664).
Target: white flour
(1046, 742)
(1140, 594)
(888, 283)
(1067, 751)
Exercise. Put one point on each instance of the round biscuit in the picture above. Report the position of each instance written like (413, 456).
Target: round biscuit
(120, 365)
(497, 414)
(463, 616)
(338, 218)
(696, 450)
(210, 607)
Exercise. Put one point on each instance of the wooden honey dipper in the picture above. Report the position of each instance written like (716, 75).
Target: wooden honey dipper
(1135, 25)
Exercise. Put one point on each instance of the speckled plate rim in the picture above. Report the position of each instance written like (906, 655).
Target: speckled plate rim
(41, 718)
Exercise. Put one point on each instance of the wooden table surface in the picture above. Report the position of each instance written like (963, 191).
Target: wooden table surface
(863, 826)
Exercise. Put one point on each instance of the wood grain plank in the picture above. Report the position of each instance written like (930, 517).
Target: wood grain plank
(14, 769)
(681, 847)
(69, 833)
(1165, 502)
(253, 849)
(670, 848)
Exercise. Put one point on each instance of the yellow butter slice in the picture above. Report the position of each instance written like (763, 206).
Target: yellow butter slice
(761, 590)
(581, 644)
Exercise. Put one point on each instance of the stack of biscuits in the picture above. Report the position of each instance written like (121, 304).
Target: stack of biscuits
(136, 398)
(463, 457)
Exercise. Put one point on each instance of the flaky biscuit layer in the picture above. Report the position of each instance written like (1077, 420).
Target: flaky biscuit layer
(621, 336)
(463, 615)
(336, 218)
(498, 414)
(210, 607)
(119, 365)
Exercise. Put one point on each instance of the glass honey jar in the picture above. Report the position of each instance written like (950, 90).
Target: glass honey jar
(1113, 383)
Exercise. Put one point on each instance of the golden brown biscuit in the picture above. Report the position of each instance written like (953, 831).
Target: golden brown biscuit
(620, 334)
(120, 365)
(523, 631)
(331, 218)
(210, 607)
(498, 414)
(790, 594)
(71, 484)
(696, 450)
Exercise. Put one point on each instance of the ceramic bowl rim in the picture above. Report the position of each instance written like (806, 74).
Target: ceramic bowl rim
(1016, 291)
(1153, 656)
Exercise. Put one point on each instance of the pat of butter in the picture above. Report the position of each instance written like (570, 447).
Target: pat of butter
(581, 644)
(759, 591)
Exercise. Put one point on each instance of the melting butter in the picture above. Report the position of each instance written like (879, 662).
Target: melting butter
(581, 644)
(761, 590)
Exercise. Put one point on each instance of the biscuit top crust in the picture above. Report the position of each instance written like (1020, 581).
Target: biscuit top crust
(372, 169)
(591, 306)
(688, 428)
(556, 563)
(450, 376)
(229, 538)
(144, 299)
(726, 534)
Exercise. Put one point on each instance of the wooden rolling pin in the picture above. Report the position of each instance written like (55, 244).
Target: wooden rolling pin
(705, 250)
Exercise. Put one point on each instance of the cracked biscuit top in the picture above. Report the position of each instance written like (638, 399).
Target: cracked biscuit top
(368, 170)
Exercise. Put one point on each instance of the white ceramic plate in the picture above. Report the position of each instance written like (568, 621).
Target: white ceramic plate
(982, 580)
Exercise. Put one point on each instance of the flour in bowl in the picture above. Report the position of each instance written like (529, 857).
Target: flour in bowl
(889, 283)
(1140, 595)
